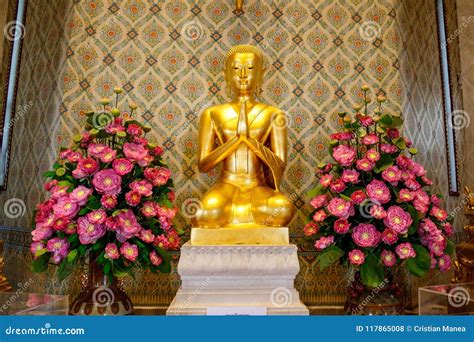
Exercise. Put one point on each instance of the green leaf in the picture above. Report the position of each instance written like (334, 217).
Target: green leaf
(165, 266)
(49, 174)
(82, 250)
(386, 120)
(40, 252)
(400, 143)
(347, 198)
(384, 162)
(315, 191)
(40, 264)
(107, 267)
(450, 248)
(414, 216)
(329, 256)
(66, 183)
(372, 271)
(72, 255)
(419, 265)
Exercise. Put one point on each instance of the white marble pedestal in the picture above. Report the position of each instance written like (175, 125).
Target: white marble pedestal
(238, 279)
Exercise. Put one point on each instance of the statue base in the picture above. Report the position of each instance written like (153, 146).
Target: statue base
(245, 235)
(238, 279)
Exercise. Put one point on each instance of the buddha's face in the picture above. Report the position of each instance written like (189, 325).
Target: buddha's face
(244, 72)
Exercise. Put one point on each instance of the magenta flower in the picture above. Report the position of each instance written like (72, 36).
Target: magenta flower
(35, 247)
(157, 176)
(127, 224)
(344, 155)
(366, 235)
(59, 247)
(320, 215)
(440, 214)
(87, 166)
(358, 196)
(388, 148)
(122, 166)
(49, 185)
(338, 185)
(155, 259)
(392, 174)
(65, 208)
(342, 136)
(364, 164)
(435, 200)
(41, 233)
(448, 228)
(59, 191)
(97, 216)
(412, 184)
(310, 228)
(388, 258)
(341, 226)
(143, 187)
(80, 195)
(134, 129)
(107, 182)
(148, 209)
(378, 191)
(405, 195)
(111, 251)
(398, 219)
(134, 152)
(108, 155)
(370, 139)
(96, 150)
(326, 180)
(444, 263)
(350, 176)
(405, 251)
(147, 236)
(108, 201)
(324, 242)
(372, 155)
(378, 212)
(319, 201)
(88, 232)
(366, 121)
(356, 257)
(129, 251)
(339, 207)
(133, 198)
(115, 127)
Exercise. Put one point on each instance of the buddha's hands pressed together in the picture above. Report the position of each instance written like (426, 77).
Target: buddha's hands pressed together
(242, 123)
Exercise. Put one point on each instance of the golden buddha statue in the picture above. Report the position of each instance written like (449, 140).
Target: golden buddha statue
(245, 206)
(4, 285)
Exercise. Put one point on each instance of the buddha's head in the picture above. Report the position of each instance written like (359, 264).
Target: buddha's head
(244, 70)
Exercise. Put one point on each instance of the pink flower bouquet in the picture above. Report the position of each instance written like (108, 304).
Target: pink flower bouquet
(370, 207)
(110, 193)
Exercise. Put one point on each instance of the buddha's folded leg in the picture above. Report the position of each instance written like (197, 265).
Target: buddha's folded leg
(271, 208)
(216, 207)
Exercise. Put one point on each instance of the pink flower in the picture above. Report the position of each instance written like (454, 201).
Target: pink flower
(320, 215)
(405, 251)
(108, 155)
(41, 233)
(127, 224)
(350, 176)
(344, 154)
(157, 176)
(59, 191)
(115, 127)
(339, 207)
(372, 155)
(341, 226)
(398, 219)
(134, 129)
(378, 191)
(107, 182)
(35, 247)
(364, 164)
(378, 212)
(143, 187)
(341, 136)
(65, 208)
(358, 196)
(427, 181)
(87, 166)
(324, 242)
(80, 195)
(405, 195)
(111, 251)
(108, 201)
(366, 235)
(155, 259)
(134, 152)
(444, 263)
(148, 209)
(122, 166)
(59, 247)
(310, 228)
(110, 223)
(88, 232)
(49, 185)
(319, 201)
(370, 139)
(388, 258)
(338, 185)
(392, 174)
(356, 257)
(435, 200)
(448, 229)
(326, 180)
(129, 251)
(170, 241)
(147, 236)
(439, 213)
(96, 150)
(366, 121)
(388, 148)
(97, 216)
(393, 133)
(133, 198)
(61, 223)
